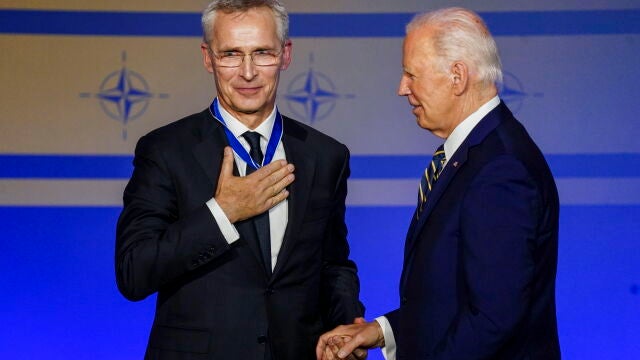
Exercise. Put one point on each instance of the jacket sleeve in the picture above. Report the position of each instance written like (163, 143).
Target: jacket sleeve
(157, 242)
(340, 284)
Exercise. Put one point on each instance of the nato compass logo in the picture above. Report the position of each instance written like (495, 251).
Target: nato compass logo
(512, 91)
(124, 95)
(311, 96)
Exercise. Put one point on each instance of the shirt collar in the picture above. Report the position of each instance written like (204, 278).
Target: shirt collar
(237, 128)
(463, 129)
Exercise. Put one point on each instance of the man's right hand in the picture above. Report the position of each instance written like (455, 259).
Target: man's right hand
(243, 197)
(347, 340)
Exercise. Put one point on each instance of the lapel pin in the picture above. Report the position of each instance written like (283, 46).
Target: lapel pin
(455, 164)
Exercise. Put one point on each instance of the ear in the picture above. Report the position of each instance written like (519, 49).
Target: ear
(206, 57)
(459, 77)
(286, 55)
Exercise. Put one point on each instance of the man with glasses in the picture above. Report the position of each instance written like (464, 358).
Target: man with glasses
(248, 256)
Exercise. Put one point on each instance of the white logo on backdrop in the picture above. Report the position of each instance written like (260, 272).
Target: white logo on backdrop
(311, 95)
(512, 91)
(124, 95)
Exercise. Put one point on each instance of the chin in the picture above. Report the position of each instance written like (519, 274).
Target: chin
(424, 124)
(247, 111)
(248, 108)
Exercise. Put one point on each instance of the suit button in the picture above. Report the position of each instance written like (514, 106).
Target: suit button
(270, 291)
(262, 339)
(403, 300)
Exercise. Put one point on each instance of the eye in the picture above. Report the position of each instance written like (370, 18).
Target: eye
(230, 53)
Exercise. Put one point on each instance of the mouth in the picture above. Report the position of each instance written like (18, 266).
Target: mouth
(413, 103)
(247, 91)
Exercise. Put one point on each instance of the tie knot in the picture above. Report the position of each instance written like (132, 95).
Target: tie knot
(253, 138)
(439, 157)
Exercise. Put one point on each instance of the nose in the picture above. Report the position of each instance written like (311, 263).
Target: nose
(403, 87)
(247, 69)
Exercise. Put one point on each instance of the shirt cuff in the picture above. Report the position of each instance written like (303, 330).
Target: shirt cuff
(389, 348)
(227, 229)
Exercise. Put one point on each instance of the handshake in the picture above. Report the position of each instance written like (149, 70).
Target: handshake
(350, 341)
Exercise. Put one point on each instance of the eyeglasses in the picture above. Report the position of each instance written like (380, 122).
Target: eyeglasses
(234, 58)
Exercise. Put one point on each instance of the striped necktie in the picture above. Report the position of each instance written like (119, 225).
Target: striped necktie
(429, 177)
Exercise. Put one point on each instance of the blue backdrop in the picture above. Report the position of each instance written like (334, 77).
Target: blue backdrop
(65, 155)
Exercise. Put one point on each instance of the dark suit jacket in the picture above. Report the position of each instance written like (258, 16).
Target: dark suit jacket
(479, 268)
(215, 300)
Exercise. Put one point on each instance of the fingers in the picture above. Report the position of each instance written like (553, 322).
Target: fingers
(278, 198)
(337, 343)
(332, 346)
(274, 172)
(321, 347)
(227, 163)
(282, 180)
(271, 182)
(348, 347)
(360, 354)
(323, 343)
(330, 352)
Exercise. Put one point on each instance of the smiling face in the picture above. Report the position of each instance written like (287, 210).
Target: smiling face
(428, 88)
(248, 92)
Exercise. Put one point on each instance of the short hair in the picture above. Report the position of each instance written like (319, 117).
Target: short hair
(461, 35)
(230, 6)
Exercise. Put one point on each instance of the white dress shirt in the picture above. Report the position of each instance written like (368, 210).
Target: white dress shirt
(278, 215)
(451, 145)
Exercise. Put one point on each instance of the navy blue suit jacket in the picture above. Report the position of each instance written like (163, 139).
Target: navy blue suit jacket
(478, 280)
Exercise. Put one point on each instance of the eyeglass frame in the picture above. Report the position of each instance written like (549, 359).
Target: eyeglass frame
(218, 57)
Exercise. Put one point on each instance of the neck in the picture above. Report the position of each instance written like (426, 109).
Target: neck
(249, 119)
(252, 121)
(470, 102)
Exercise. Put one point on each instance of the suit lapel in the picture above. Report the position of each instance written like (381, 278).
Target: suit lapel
(297, 153)
(448, 173)
(209, 153)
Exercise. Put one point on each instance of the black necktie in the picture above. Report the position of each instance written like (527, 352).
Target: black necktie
(260, 221)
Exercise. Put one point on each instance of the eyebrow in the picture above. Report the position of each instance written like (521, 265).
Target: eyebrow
(237, 49)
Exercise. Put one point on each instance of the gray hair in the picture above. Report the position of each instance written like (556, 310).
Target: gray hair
(461, 35)
(230, 6)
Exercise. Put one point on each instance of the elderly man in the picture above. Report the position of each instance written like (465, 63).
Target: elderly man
(248, 261)
(481, 252)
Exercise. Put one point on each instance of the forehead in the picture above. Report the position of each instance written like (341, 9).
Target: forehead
(254, 27)
(418, 47)
(420, 41)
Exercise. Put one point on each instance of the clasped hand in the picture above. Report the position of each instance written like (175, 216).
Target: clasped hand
(243, 197)
(350, 341)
